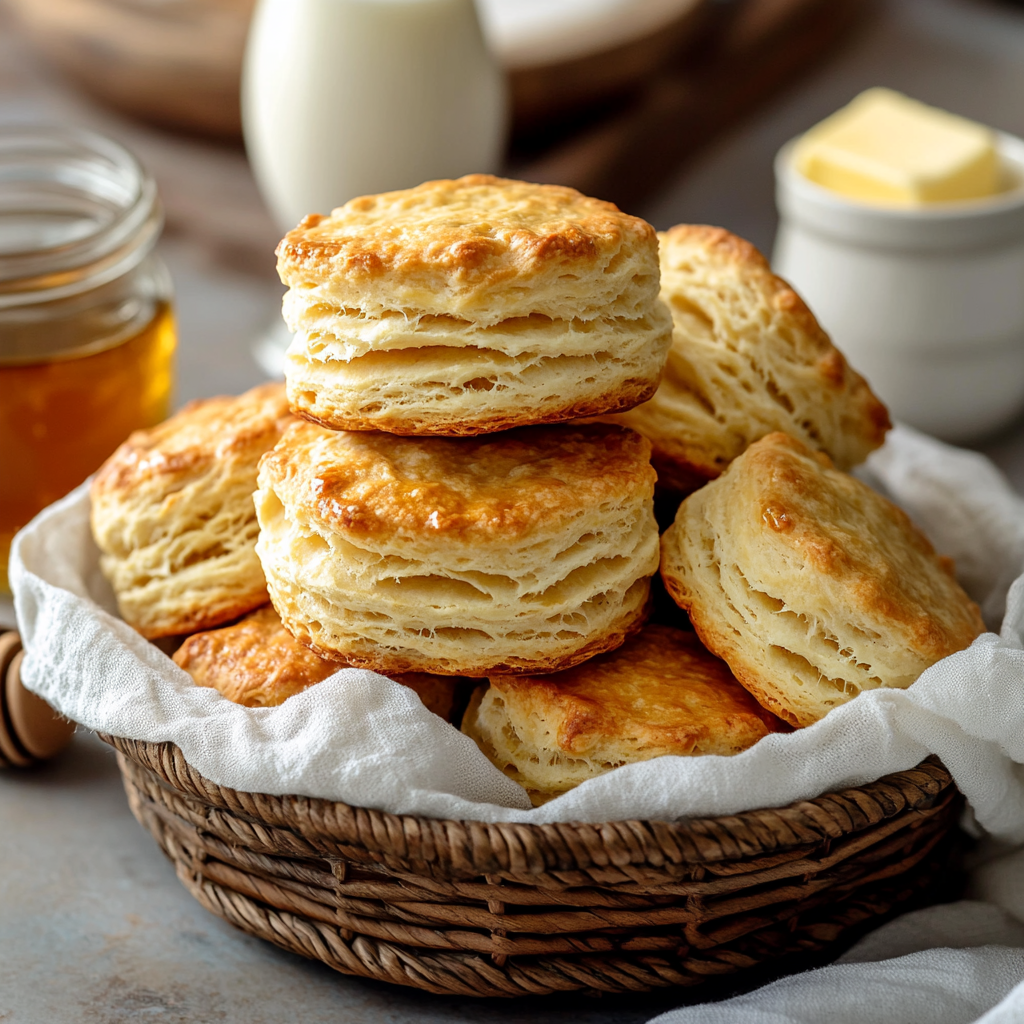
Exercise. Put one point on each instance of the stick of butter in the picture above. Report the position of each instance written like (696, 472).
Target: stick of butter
(886, 148)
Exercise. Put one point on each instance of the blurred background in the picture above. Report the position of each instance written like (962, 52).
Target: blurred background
(673, 109)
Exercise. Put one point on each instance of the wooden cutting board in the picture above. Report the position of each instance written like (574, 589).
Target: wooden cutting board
(747, 52)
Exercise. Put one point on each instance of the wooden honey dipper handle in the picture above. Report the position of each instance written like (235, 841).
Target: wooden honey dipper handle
(30, 730)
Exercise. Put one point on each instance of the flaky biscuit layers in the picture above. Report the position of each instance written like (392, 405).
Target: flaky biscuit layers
(660, 693)
(747, 358)
(257, 663)
(810, 585)
(525, 551)
(172, 514)
(470, 306)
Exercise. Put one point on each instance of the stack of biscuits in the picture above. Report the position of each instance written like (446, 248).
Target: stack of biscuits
(456, 487)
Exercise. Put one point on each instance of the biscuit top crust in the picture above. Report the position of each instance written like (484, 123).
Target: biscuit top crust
(480, 247)
(687, 247)
(662, 689)
(255, 662)
(793, 513)
(205, 432)
(490, 489)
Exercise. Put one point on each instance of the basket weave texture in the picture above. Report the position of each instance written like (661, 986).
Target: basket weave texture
(478, 909)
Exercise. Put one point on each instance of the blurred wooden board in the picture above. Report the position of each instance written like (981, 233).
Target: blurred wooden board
(751, 50)
(615, 125)
(541, 94)
(176, 65)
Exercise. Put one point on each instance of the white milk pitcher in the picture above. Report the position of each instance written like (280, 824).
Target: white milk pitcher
(342, 98)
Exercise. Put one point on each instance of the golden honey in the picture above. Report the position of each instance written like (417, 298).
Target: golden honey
(87, 336)
(59, 420)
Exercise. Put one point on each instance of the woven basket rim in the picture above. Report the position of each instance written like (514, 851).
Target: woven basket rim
(475, 847)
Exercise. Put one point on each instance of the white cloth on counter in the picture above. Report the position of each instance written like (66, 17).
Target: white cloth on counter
(365, 740)
(535, 33)
(938, 986)
(957, 963)
(960, 963)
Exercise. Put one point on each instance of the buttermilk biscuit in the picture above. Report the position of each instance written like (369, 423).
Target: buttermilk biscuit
(173, 516)
(809, 584)
(528, 551)
(747, 358)
(660, 693)
(256, 662)
(471, 306)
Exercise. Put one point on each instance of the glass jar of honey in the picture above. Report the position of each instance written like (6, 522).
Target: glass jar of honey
(87, 334)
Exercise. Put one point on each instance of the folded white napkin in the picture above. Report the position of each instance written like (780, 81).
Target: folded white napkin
(939, 986)
(362, 739)
(961, 963)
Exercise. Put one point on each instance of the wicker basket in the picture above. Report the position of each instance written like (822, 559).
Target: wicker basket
(480, 909)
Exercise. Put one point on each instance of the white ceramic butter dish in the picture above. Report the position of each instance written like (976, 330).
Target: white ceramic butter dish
(926, 302)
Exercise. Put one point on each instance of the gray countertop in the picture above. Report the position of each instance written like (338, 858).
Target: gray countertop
(95, 929)
(94, 926)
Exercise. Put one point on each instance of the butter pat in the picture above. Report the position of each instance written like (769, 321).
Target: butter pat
(888, 149)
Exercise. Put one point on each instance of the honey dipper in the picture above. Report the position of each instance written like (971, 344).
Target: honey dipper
(30, 730)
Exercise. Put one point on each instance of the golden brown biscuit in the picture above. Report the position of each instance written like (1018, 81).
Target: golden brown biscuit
(811, 586)
(660, 693)
(254, 662)
(471, 306)
(478, 248)
(173, 516)
(747, 358)
(529, 550)
(257, 663)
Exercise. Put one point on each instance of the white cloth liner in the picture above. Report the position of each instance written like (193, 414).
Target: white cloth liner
(364, 740)
(361, 738)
